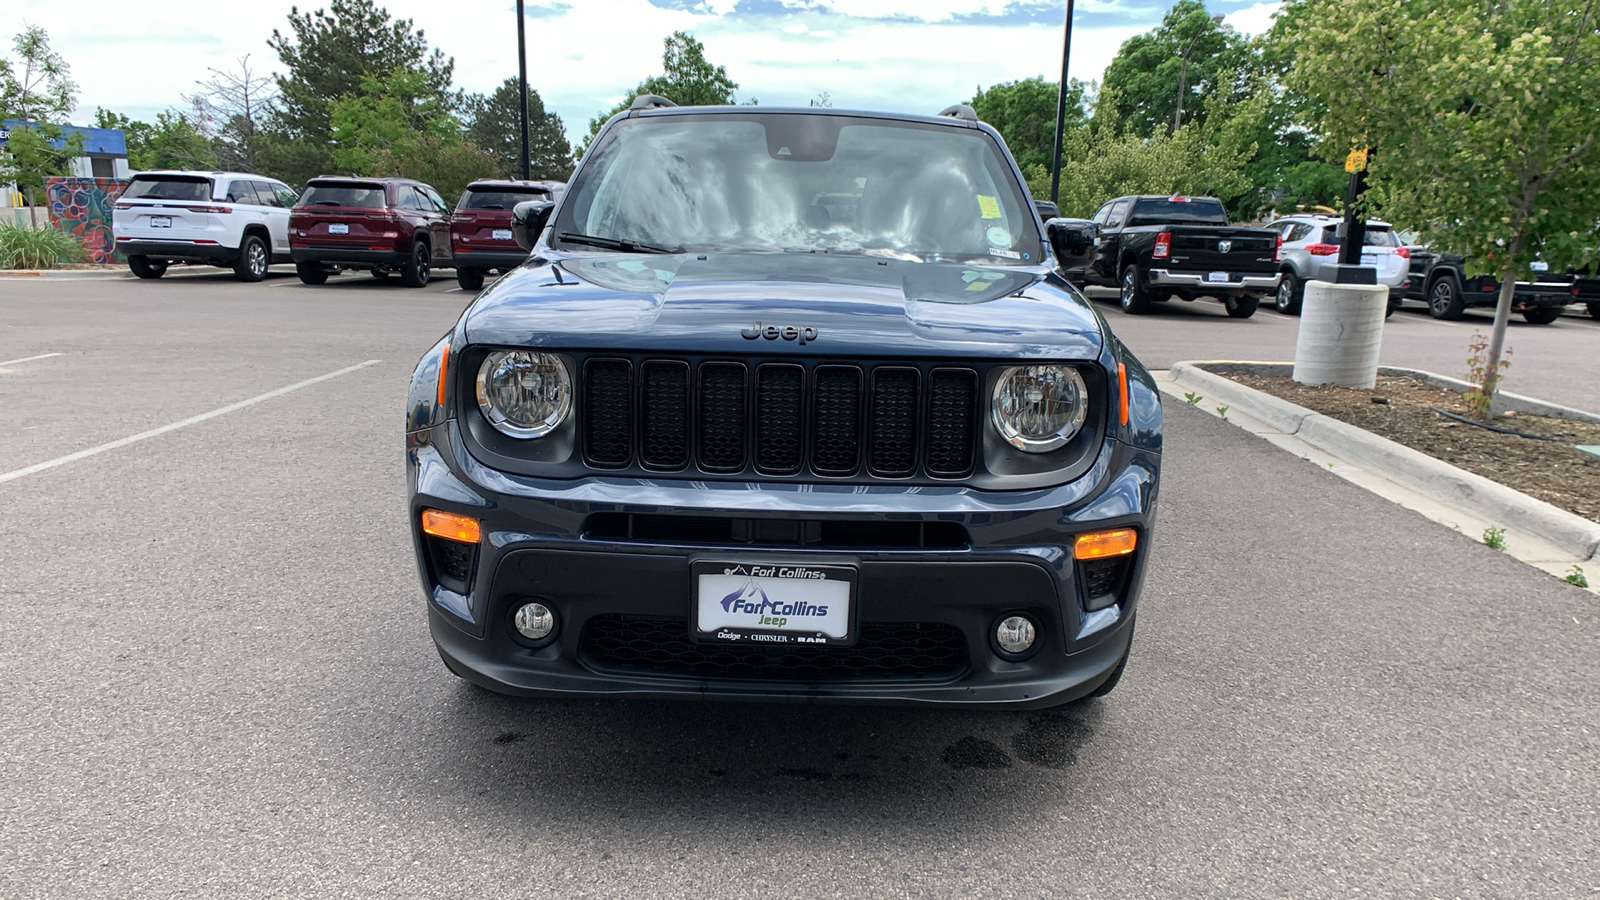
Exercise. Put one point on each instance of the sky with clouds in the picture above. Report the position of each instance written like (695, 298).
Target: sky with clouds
(584, 55)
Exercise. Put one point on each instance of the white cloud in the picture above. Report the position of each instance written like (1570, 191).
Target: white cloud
(1253, 20)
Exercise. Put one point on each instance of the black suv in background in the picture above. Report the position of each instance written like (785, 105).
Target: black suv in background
(1154, 248)
(1441, 280)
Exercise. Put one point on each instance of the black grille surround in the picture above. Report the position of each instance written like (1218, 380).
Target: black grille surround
(884, 652)
(775, 418)
(822, 420)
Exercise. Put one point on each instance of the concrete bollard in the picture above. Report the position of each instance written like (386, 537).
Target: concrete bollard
(1341, 332)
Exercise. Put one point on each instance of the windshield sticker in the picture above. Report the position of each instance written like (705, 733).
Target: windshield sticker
(989, 205)
(1005, 254)
(998, 237)
(969, 275)
(979, 285)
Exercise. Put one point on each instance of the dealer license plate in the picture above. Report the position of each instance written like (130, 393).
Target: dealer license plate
(501, 234)
(773, 603)
(160, 221)
(1368, 259)
(1217, 276)
(338, 228)
(1539, 265)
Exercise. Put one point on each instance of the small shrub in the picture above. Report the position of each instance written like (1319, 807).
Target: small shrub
(1480, 400)
(1576, 577)
(36, 248)
(1494, 537)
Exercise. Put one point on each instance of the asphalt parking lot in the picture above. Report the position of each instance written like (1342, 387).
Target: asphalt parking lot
(217, 678)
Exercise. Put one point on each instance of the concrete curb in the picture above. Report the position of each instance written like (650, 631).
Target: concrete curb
(64, 273)
(1511, 509)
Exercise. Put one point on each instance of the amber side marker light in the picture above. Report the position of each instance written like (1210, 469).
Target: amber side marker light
(444, 365)
(1101, 544)
(1122, 380)
(452, 527)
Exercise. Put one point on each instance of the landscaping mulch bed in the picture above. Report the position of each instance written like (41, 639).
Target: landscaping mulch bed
(1554, 471)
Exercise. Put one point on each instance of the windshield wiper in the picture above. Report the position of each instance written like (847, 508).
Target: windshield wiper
(572, 237)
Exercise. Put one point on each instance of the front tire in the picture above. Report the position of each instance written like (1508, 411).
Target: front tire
(1445, 300)
(145, 267)
(416, 272)
(1241, 307)
(1135, 297)
(311, 273)
(1594, 309)
(253, 259)
(470, 279)
(1291, 293)
(1541, 315)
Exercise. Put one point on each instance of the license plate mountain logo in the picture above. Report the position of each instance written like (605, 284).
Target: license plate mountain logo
(750, 599)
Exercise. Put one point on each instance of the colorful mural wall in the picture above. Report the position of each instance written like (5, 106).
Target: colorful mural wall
(82, 208)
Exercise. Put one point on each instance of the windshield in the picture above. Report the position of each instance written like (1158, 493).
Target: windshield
(499, 198)
(369, 196)
(166, 188)
(1191, 211)
(802, 183)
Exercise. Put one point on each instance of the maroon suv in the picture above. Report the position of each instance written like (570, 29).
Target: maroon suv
(480, 230)
(382, 225)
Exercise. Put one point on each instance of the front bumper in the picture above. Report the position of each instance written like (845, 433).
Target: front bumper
(539, 543)
(183, 251)
(1197, 281)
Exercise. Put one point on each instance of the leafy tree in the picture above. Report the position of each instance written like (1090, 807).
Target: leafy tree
(1481, 117)
(233, 108)
(448, 164)
(688, 79)
(326, 56)
(1024, 112)
(1141, 85)
(370, 124)
(37, 85)
(492, 125)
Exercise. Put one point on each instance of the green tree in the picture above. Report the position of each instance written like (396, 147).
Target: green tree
(325, 56)
(369, 125)
(1024, 112)
(687, 79)
(173, 142)
(448, 164)
(1188, 48)
(36, 86)
(1481, 118)
(492, 125)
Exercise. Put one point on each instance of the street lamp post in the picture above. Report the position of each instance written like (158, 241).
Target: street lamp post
(1183, 75)
(522, 86)
(1061, 109)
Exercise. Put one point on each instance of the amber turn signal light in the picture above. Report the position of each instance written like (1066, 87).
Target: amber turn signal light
(1101, 544)
(453, 527)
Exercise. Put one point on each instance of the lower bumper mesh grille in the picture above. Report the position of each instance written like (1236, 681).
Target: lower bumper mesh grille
(884, 651)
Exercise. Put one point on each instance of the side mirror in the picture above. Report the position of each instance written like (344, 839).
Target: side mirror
(1072, 240)
(1046, 210)
(528, 218)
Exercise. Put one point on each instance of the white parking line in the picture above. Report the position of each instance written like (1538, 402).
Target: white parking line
(12, 362)
(192, 420)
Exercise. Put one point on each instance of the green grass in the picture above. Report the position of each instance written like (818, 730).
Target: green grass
(36, 248)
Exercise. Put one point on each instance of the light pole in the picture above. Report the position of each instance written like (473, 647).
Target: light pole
(1183, 75)
(1061, 109)
(522, 86)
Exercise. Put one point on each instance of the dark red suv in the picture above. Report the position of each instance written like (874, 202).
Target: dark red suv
(480, 229)
(382, 225)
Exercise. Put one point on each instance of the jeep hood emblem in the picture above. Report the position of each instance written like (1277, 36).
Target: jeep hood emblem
(802, 333)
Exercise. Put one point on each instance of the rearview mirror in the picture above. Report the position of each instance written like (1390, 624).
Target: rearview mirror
(1072, 240)
(528, 218)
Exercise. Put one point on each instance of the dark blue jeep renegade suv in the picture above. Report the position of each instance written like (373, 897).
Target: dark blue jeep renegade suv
(787, 405)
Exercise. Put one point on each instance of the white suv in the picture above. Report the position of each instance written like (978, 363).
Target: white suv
(1311, 251)
(231, 219)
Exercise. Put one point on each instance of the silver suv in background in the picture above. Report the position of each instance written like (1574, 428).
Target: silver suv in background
(232, 219)
(1311, 250)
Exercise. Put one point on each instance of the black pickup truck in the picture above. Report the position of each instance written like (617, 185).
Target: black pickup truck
(1156, 248)
(1441, 281)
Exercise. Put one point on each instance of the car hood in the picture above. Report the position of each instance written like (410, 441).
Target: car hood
(857, 306)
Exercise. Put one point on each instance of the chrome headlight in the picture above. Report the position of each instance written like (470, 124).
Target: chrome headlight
(1039, 408)
(524, 393)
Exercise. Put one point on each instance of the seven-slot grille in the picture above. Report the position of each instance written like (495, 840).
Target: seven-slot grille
(779, 418)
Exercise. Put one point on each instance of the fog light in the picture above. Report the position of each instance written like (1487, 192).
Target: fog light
(535, 621)
(1015, 634)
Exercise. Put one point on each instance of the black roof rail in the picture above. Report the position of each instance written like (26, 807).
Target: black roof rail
(650, 101)
(960, 111)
